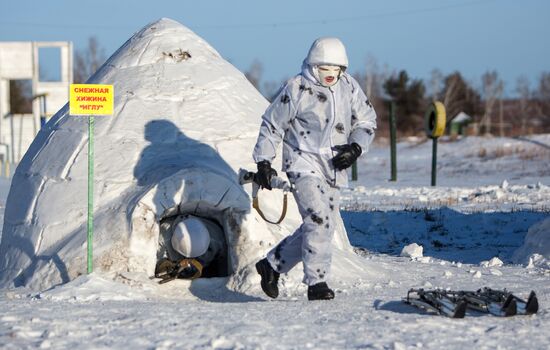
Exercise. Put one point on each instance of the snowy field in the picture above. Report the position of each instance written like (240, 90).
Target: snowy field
(490, 192)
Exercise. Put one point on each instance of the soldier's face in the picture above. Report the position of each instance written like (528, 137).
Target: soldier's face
(328, 75)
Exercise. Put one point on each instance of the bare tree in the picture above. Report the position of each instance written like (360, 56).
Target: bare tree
(524, 96)
(254, 74)
(543, 93)
(492, 88)
(373, 78)
(544, 86)
(543, 97)
(372, 82)
(454, 95)
(435, 85)
(88, 60)
(458, 96)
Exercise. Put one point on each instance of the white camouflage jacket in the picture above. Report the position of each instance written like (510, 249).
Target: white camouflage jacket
(311, 119)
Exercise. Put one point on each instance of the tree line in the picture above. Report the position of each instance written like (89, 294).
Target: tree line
(491, 112)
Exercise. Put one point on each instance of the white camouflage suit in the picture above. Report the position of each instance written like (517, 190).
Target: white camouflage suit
(311, 119)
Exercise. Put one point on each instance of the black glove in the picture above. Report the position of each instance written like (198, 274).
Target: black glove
(347, 155)
(264, 174)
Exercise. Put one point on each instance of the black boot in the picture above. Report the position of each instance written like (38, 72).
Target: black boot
(320, 291)
(270, 278)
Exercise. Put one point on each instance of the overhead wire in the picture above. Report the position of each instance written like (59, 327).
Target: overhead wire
(351, 19)
(380, 15)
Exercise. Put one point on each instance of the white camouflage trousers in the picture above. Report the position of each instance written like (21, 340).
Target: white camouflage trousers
(311, 243)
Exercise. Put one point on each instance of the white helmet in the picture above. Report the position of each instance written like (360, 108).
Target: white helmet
(327, 51)
(191, 237)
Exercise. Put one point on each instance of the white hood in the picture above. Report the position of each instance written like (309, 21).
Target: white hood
(329, 51)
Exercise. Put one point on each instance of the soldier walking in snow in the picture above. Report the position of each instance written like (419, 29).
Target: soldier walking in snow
(325, 122)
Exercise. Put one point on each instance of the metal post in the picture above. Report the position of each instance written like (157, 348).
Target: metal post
(43, 118)
(393, 142)
(12, 141)
(90, 191)
(434, 160)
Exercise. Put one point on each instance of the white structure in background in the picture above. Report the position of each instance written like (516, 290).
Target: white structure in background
(462, 117)
(21, 61)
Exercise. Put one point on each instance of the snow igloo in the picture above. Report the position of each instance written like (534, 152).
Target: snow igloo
(185, 121)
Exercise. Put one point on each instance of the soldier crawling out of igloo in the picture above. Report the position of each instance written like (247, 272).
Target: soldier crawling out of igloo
(190, 247)
(325, 122)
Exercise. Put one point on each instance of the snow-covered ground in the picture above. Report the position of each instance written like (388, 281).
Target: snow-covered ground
(184, 124)
(490, 192)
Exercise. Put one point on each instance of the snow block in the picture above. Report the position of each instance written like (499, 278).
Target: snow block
(494, 262)
(413, 251)
(535, 251)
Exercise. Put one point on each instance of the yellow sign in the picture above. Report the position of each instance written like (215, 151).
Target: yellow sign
(91, 99)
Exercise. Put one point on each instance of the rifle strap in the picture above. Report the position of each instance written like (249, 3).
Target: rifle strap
(188, 262)
(256, 205)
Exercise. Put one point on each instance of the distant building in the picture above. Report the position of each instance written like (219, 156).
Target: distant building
(47, 69)
(458, 124)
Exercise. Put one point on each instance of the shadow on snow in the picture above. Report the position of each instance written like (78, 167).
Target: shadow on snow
(444, 233)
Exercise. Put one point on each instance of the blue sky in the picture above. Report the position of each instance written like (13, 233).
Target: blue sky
(471, 36)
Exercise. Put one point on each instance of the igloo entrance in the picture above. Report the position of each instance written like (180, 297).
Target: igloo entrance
(199, 192)
(187, 236)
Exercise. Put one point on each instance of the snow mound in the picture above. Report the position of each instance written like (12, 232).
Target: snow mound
(413, 251)
(185, 121)
(535, 251)
(93, 287)
(494, 262)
